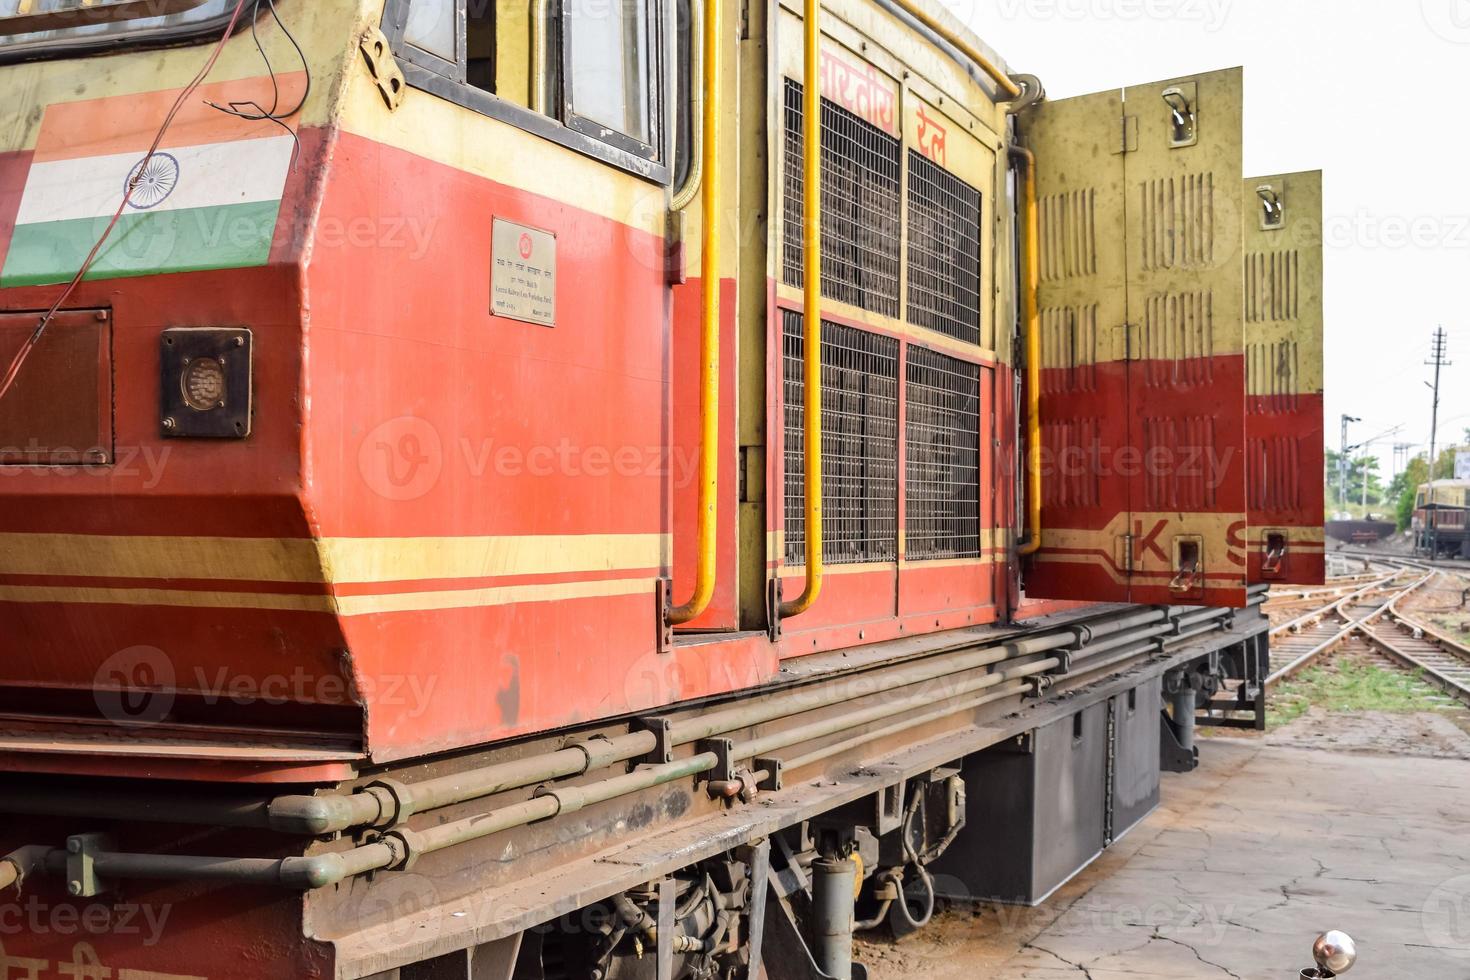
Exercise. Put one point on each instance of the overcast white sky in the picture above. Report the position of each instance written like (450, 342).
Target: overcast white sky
(1374, 93)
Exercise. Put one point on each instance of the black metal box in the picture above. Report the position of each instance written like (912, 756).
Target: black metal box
(1135, 768)
(1036, 812)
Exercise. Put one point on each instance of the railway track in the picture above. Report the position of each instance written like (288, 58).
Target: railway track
(1441, 662)
(1372, 614)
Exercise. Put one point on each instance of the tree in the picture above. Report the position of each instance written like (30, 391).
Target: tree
(1359, 468)
(1408, 484)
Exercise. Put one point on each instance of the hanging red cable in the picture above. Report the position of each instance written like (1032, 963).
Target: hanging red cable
(35, 337)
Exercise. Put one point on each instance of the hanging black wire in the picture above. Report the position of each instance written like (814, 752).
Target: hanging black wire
(254, 111)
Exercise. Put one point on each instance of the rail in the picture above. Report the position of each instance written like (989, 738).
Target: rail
(1440, 660)
(1325, 640)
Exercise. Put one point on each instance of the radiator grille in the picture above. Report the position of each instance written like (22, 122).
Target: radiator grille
(859, 443)
(860, 207)
(942, 509)
(944, 251)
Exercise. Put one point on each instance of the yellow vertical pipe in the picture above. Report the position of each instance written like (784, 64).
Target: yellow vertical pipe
(811, 205)
(709, 339)
(1031, 316)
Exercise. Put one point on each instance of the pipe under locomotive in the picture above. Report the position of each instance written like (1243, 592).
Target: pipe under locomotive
(435, 545)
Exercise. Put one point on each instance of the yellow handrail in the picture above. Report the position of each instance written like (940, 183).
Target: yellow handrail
(1031, 316)
(709, 334)
(960, 43)
(811, 205)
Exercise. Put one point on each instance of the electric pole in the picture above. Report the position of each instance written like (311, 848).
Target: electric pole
(1342, 462)
(1400, 457)
(1439, 363)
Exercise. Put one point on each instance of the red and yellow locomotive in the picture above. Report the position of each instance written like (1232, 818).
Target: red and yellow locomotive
(426, 356)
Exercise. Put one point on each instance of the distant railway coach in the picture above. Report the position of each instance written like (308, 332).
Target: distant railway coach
(1439, 523)
(578, 490)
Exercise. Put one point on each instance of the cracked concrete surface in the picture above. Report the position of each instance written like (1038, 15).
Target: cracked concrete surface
(1245, 863)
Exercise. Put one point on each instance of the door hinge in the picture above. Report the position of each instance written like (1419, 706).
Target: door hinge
(1125, 553)
(383, 67)
(1127, 136)
(1125, 342)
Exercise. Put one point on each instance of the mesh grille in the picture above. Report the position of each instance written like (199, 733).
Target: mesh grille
(942, 513)
(944, 251)
(860, 207)
(859, 444)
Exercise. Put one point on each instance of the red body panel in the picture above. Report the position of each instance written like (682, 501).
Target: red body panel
(1286, 459)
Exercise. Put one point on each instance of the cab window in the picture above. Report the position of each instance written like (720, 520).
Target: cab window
(585, 73)
(31, 29)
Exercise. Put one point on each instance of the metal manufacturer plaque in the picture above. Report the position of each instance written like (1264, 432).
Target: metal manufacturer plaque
(523, 273)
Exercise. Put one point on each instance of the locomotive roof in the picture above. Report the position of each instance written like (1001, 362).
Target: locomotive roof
(943, 15)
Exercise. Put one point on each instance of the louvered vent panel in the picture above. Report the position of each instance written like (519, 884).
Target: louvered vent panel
(859, 443)
(860, 207)
(944, 251)
(942, 504)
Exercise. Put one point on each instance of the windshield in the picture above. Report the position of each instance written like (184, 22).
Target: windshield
(85, 25)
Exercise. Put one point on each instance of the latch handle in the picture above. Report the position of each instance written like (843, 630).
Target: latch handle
(1184, 117)
(1185, 580)
(1275, 214)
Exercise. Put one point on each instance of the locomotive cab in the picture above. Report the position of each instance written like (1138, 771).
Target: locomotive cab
(408, 390)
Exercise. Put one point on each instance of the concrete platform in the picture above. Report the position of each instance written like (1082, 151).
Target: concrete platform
(1246, 862)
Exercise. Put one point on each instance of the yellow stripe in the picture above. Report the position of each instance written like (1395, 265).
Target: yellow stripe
(121, 556)
(920, 563)
(344, 606)
(167, 597)
(419, 559)
(335, 560)
(799, 571)
(923, 336)
(501, 596)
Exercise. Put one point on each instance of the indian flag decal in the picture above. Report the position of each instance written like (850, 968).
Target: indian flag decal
(208, 199)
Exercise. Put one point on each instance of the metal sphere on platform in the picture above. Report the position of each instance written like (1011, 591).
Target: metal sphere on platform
(1335, 951)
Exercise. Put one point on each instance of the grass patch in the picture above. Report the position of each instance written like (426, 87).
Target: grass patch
(1347, 686)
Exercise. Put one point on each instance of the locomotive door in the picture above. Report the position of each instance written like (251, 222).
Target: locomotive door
(1143, 391)
(1283, 334)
